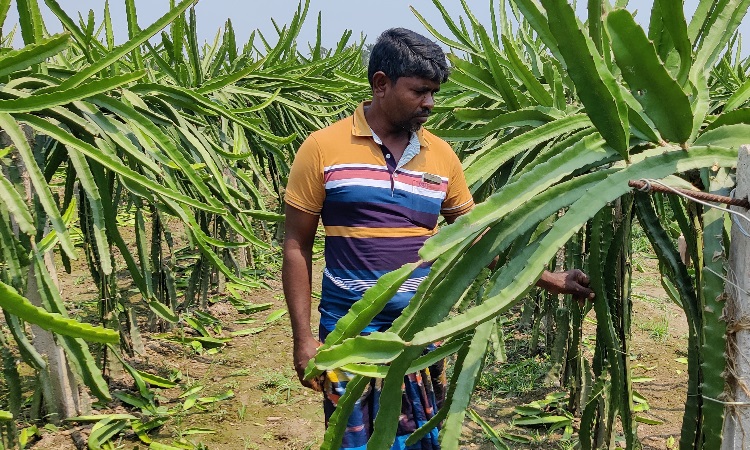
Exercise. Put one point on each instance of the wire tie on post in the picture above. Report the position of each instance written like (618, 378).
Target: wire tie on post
(734, 218)
(726, 403)
(726, 280)
(735, 214)
(740, 228)
(646, 185)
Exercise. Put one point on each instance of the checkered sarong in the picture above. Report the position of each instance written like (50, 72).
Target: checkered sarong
(423, 394)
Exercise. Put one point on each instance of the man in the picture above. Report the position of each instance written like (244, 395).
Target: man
(379, 182)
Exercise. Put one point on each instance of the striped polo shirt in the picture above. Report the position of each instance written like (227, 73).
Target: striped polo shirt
(376, 212)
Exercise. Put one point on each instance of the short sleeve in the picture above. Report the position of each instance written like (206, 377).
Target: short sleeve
(305, 188)
(458, 199)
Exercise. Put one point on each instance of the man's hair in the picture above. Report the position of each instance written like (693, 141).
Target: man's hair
(399, 52)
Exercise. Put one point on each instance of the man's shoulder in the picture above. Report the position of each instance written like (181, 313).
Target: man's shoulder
(436, 142)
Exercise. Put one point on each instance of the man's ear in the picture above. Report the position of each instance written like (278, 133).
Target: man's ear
(380, 83)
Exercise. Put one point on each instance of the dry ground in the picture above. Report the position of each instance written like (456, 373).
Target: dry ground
(270, 411)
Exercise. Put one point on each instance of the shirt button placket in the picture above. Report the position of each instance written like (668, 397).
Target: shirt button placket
(391, 167)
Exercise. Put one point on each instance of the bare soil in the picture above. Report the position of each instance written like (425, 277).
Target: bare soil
(657, 356)
(270, 411)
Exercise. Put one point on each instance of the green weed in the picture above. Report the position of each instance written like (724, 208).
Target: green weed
(278, 387)
(657, 329)
(515, 378)
(650, 299)
(640, 244)
(249, 445)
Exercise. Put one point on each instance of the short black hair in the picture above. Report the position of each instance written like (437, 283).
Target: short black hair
(399, 52)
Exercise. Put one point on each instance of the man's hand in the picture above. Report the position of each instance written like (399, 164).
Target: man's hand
(573, 282)
(303, 352)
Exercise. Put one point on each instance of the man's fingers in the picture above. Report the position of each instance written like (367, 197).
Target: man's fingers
(581, 291)
(585, 293)
(581, 287)
(316, 384)
(581, 277)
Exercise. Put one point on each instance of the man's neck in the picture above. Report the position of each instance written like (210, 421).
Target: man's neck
(395, 139)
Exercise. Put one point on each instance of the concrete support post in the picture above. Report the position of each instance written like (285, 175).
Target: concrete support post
(60, 390)
(737, 312)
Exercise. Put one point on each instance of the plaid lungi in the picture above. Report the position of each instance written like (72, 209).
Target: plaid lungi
(423, 394)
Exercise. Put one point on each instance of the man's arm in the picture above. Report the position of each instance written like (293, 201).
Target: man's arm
(296, 275)
(573, 282)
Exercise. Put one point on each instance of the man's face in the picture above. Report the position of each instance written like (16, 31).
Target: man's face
(409, 101)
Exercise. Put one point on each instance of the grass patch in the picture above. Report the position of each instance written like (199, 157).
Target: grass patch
(278, 387)
(515, 378)
(651, 299)
(657, 329)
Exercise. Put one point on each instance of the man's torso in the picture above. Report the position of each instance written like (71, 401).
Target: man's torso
(376, 215)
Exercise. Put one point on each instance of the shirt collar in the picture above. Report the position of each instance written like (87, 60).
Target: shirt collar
(411, 150)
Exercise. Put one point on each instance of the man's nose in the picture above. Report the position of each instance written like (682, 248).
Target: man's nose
(428, 102)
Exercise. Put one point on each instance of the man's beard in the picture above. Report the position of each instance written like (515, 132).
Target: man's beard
(411, 126)
(415, 125)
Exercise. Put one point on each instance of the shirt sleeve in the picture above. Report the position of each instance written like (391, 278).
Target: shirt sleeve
(458, 200)
(306, 187)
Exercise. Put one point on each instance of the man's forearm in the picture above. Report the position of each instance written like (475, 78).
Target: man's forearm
(296, 275)
(296, 278)
(573, 282)
(545, 281)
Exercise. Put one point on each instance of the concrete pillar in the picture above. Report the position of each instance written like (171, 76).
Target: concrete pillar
(737, 410)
